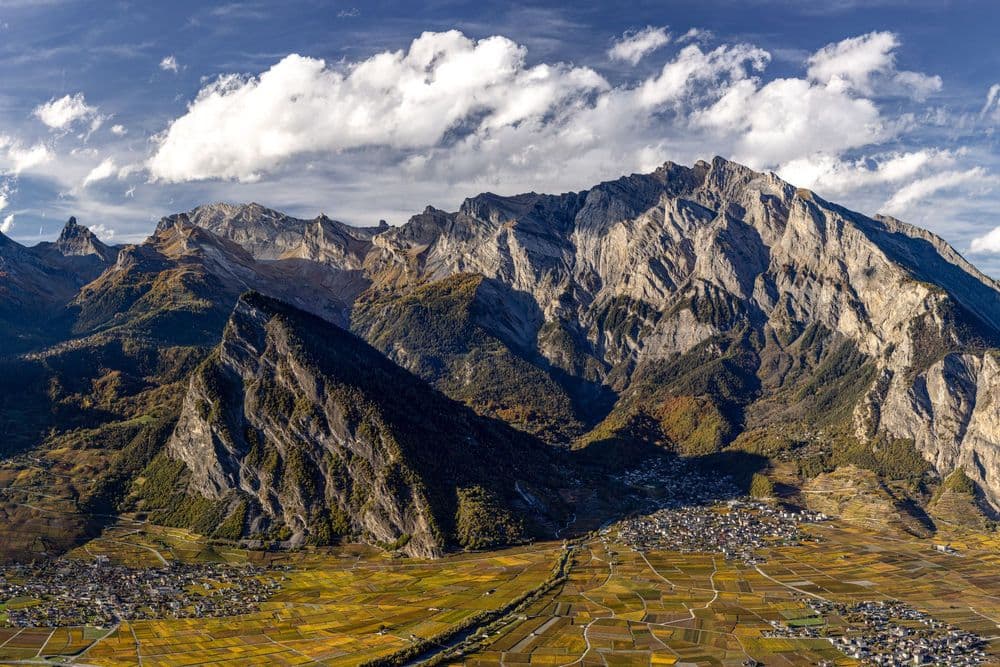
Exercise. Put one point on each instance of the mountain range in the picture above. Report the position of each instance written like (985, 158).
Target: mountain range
(456, 381)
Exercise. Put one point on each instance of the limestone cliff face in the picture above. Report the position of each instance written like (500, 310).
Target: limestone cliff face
(952, 412)
(683, 255)
(318, 435)
(651, 268)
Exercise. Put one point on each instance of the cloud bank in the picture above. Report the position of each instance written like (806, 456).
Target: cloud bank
(987, 244)
(105, 170)
(16, 157)
(475, 112)
(239, 127)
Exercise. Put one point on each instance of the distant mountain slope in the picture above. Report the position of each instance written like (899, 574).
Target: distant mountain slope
(460, 334)
(37, 283)
(706, 309)
(183, 281)
(297, 429)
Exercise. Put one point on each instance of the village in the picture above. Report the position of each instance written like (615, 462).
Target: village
(888, 633)
(737, 528)
(70, 592)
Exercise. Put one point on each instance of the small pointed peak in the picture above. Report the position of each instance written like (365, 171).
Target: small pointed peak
(77, 240)
(382, 224)
(71, 224)
(253, 208)
(73, 230)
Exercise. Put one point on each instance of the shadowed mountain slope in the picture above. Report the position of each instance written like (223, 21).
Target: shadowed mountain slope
(298, 429)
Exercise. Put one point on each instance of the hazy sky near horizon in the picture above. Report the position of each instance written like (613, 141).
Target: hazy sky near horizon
(122, 112)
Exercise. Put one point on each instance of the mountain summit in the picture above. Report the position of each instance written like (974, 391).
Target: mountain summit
(77, 240)
(722, 302)
(709, 310)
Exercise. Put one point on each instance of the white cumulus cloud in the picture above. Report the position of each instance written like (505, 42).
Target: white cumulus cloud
(60, 113)
(119, 130)
(15, 157)
(103, 232)
(7, 224)
(634, 46)
(837, 176)
(915, 192)
(238, 127)
(787, 119)
(867, 64)
(696, 73)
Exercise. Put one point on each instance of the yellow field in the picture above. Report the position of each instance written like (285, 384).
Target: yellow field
(336, 608)
(621, 607)
(617, 606)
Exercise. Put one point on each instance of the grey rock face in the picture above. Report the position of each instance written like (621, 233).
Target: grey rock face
(319, 458)
(322, 436)
(652, 265)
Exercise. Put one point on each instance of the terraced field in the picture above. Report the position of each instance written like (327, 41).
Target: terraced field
(616, 606)
(622, 607)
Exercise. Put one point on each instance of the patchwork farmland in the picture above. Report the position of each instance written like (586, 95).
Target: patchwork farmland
(615, 605)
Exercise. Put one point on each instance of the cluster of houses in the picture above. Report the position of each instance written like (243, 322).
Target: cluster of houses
(69, 592)
(889, 634)
(738, 529)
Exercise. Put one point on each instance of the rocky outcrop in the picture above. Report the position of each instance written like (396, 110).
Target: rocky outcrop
(709, 300)
(952, 413)
(639, 272)
(75, 240)
(309, 433)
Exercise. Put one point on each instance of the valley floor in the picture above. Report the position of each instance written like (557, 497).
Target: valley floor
(600, 603)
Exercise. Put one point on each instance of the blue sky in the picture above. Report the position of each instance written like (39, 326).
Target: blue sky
(120, 112)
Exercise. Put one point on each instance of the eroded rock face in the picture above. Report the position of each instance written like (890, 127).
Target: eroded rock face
(319, 434)
(952, 412)
(303, 465)
(652, 266)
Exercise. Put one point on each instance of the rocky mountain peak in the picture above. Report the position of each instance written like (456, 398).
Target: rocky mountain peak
(702, 308)
(346, 457)
(75, 240)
